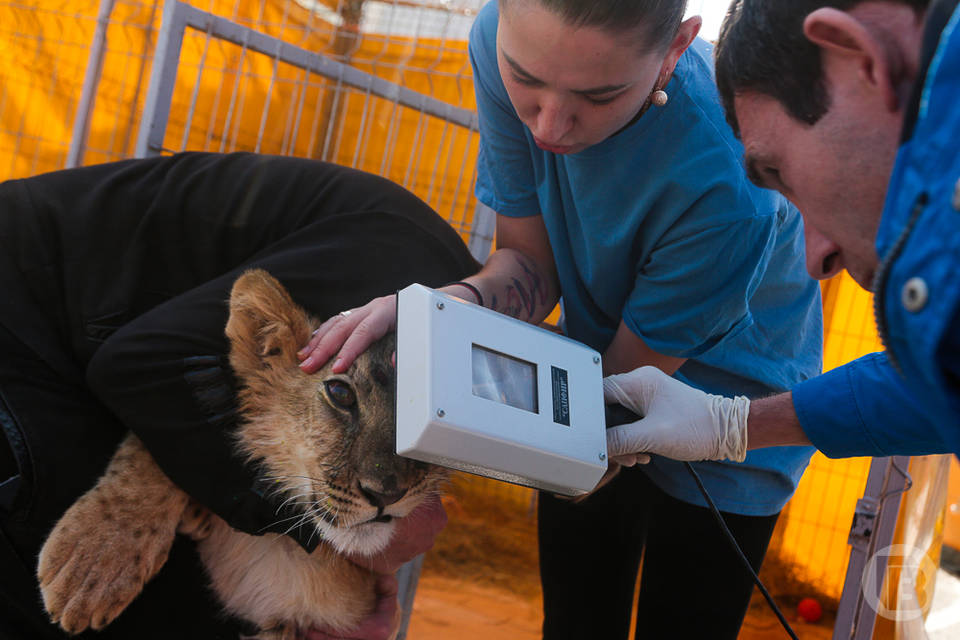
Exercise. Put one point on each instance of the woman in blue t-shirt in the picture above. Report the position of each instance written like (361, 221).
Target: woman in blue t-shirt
(619, 187)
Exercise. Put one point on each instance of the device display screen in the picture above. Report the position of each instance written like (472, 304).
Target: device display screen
(504, 379)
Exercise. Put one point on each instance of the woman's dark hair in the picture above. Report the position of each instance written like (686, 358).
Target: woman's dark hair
(762, 49)
(658, 19)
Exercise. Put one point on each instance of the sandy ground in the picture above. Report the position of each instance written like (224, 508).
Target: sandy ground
(481, 582)
(447, 609)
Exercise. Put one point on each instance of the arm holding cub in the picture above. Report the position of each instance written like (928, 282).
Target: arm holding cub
(322, 445)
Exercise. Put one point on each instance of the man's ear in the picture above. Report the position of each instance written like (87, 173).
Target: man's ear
(842, 37)
(266, 327)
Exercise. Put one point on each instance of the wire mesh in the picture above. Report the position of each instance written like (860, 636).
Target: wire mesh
(43, 54)
(811, 535)
(230, 99)
(228, 96)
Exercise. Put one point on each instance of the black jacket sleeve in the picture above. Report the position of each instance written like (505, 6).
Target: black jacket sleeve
(165, 373)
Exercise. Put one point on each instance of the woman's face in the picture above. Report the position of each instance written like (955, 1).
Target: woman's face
(573, 87)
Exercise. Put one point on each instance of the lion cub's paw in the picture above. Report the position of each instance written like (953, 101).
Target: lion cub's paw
(108, 544)
(89, 574)
(196, 521)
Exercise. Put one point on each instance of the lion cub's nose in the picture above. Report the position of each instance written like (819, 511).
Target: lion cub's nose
(381, 498)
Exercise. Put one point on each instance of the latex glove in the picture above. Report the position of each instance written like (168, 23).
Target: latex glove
(679, 422)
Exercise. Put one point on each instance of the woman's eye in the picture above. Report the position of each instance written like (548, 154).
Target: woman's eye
(603, 100)
(340, 394)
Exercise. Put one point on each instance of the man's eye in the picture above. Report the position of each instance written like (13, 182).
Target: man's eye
(340, 394)
(530, 82)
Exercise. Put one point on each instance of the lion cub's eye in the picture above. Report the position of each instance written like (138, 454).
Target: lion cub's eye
(340, 393)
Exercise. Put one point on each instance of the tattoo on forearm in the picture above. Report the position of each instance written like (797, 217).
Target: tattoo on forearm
(524, 295)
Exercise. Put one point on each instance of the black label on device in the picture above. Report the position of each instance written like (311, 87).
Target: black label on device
(561, 396)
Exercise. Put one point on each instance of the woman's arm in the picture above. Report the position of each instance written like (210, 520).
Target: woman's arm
(628, 352)
(520, 278)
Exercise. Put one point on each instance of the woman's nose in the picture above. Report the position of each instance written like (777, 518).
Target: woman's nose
(553, 121)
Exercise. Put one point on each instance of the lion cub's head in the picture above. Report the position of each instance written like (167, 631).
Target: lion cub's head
(327, 440)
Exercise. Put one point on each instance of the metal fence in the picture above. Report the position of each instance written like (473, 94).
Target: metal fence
(217, 85)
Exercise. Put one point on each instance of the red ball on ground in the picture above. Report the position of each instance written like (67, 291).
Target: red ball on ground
(809, 609)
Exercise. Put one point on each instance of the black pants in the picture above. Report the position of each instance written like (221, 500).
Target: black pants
(51, 423)
(693, 585)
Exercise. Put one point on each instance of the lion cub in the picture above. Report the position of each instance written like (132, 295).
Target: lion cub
(326, 440)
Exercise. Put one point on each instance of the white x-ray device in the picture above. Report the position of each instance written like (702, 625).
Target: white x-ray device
(485, 393)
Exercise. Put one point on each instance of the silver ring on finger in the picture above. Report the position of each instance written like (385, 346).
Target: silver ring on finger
(344, 314)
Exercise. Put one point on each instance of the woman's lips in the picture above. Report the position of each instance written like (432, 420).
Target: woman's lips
(550, 147)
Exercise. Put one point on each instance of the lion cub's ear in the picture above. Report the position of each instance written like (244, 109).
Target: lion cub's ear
(266, 327)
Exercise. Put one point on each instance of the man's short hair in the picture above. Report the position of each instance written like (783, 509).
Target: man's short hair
(762, 49)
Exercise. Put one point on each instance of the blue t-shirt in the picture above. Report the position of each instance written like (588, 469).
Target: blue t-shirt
(659, 226)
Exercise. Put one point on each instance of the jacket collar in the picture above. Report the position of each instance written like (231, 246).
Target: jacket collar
(938, 15)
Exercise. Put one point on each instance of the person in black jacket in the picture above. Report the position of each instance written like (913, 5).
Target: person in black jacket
(114, 281)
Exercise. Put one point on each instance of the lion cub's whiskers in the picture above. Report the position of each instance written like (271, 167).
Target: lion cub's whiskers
(311, 479)
(266, 528)
(290, 499)
(302, 516)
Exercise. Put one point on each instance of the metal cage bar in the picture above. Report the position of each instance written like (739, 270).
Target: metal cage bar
(178, 16)
(344, 79)
(874, 522)
(81, 122)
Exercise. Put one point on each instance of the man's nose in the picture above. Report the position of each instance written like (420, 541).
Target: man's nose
(823, 255)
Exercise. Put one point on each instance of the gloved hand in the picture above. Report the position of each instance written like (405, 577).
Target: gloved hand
(679, 422)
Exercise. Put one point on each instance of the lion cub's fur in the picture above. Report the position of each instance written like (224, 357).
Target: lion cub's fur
(325, 441)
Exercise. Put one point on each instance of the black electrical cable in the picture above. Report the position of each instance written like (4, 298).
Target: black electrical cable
(743, 558)
(617, 414)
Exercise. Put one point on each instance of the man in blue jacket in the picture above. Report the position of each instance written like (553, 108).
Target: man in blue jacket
(849, 109)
